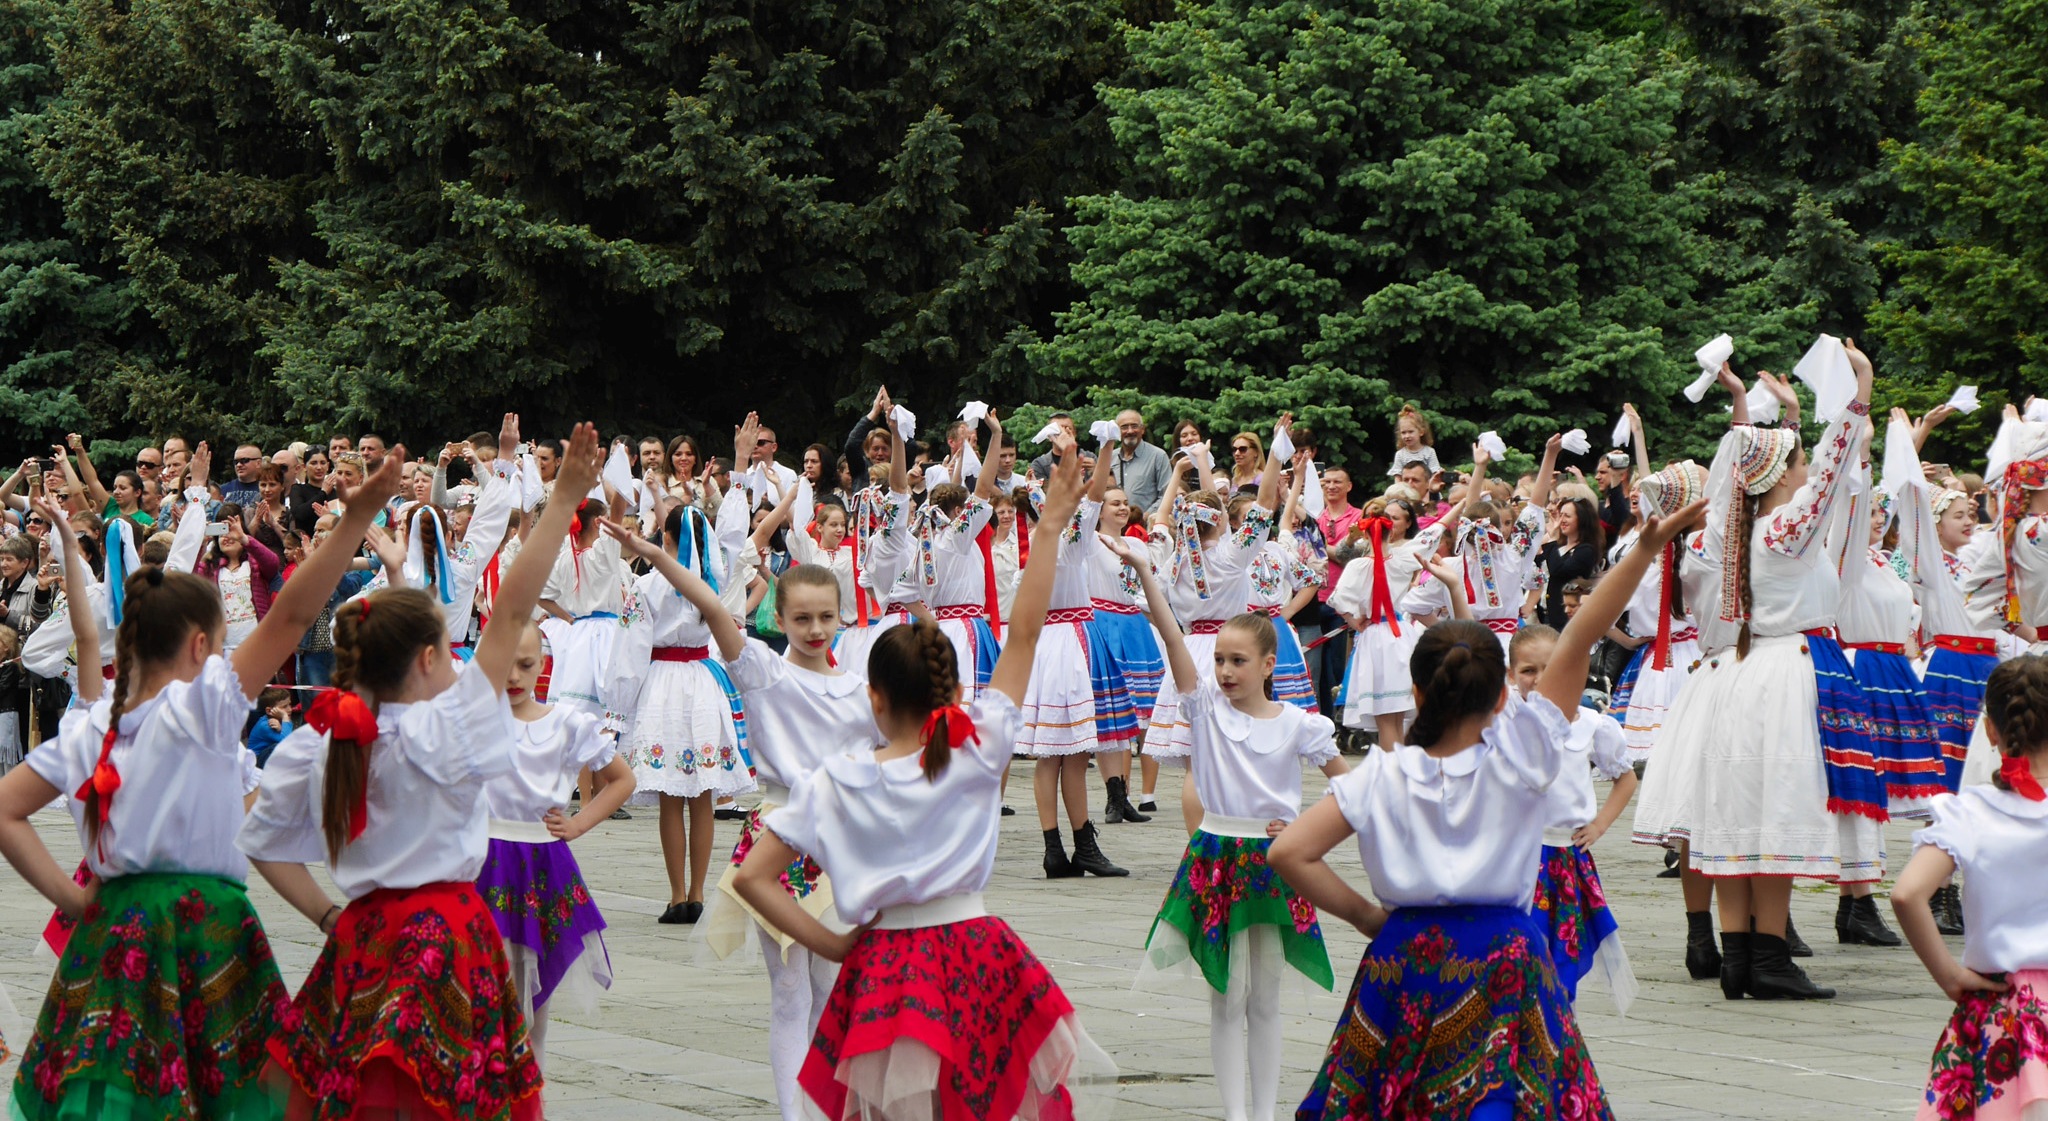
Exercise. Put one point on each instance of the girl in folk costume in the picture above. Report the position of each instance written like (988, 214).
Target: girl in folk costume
(1570, 901)
(1060, 727)
(1126, 658)
(1991, 1063)
(2008, 583)
(585, 593)
(881, 548)
(166, 992)
(1787, 783)
(1667, 641)
(686, 728)
(939, 1012)
(1211, 564)
(1377, 691)
(1227, 913)
(958, 583)
(454, 574)
(803, 709)
(411, 1009)
(1281, 585)
(1499, 557)
(823, 542)
(1450, 827)
(530, 880)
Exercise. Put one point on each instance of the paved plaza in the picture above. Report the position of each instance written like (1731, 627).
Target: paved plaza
(677, 1039)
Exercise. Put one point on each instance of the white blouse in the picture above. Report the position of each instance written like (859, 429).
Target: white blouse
(1596, 744)
(1249, 767)
(593, 580)
(1794, 586)
(958, 575)
(1463, 830)
(428, 821)
(1226, 566)
(1070, 579)
(1999, 840)
(887, 836)
(183, 773)
(796, 718)
(549, 752)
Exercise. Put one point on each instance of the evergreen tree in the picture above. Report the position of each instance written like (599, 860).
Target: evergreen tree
(1336, 211)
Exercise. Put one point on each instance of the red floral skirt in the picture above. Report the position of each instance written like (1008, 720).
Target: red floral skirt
(973, 995)
(1992, 1061)
(410, 1008)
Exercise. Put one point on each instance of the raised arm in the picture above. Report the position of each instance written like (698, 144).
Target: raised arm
(1294, 485)
(94, 492)
(519, 588)
(776, 518)
(1638, 438)
(985, 482)
(77, 579)
(1476, 484)
(1034, 585)
(1269, 478)
(1186, 678)
(1546, 475)
(1164, 514)
(1564, 680)
(1738, 396)
(899, 470)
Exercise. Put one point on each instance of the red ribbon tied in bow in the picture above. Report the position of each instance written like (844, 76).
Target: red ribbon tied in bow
(346, 716)
(2018, 773)
(1660, 655)
(103, 781)
(950, 725)
(1382, 606)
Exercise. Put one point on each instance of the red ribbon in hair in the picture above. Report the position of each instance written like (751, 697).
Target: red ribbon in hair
(103, 781)
(2017, 771)
(952, 720)
(1382, 605)
(1660, 657)
(2020, 477)
(345, 715)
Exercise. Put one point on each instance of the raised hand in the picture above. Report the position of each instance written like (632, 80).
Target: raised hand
(630, 543)
(380, 487)
(580, 463)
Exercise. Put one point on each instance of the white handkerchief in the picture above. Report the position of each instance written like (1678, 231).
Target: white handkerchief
(1710, 357)
(1283, 444)
(803, 510)
(1491, 441)
(906, 422)
(1622, 435)
(1763, 404)
(1901, 460)
(1104, 431)
(1964, 399)
(936, 476)
(1576, 443)
(1312, 492)
(2037, 411)
(970, 464)
(974, 411)
(1826, 371)
(1046, 434)
(618, 473)
(1204, 464)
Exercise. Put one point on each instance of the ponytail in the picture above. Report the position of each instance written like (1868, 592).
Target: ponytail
(376, 640)
(913, 665)
(1461, 672)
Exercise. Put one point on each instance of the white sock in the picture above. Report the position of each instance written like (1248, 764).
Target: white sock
(1227, 1048)
(797, 992)
(537, 1037)
(1262, 1021)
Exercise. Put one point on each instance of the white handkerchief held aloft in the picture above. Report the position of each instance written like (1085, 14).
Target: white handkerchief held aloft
(974, 411)
(1046, 434)
(1901, 460)
(2037, 411)
(1764, 407)
(970, 463)
(905, 420)
(1204, 463)
(1491, 441)
(936, 476)
(1312, 491)
(1711, 358)
(1623, 435)
(803, 509)
(1283, 444)
(1827, 372)
(1105, 433)
(1576, 443)
(618, 474)
(1964, 399)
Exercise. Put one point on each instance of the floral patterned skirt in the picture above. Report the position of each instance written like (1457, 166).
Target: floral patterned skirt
(535, 892)
(160, 1008)
(410, 1007)
(1224, 888)
(686, 736)
(1572, 906)
(1455, 1006)
(728, 925)
(962, 1012)
(1992, 1061)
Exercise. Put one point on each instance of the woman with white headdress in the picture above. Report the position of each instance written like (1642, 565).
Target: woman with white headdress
(880, 555)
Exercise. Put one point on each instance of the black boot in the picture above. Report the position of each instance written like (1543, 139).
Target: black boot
(1057, 866)
(1702, 957)
(1735, 963)
(1857, 923)
(1772, 976)
(1671, 869)
(1794, 943)
(1088, 855)
(1120, 803)
(1948, 910)
(1112, 814)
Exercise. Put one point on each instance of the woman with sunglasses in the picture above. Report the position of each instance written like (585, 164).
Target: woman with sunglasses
(1247, 459)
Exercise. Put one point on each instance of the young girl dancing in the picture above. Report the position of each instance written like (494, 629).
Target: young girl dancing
(881, 559)
(411, 1008)
(1378, 693)
(1121, 641)
(1282, 584)
(939, 1011)
(1226, 911)
(166, 992)
(1991, 1063)
(554, 935)
(1450, 827)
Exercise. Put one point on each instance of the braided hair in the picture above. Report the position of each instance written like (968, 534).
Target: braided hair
(1461, 671)
(160, 610)
(376, 640)
(2016, 704)
(913, 665)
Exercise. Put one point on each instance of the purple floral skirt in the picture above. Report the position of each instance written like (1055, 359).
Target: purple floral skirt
(535, 892)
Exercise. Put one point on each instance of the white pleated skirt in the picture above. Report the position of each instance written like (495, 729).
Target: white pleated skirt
(1376, 679)
(1168, 735)
(1059, 701)
(680, 739)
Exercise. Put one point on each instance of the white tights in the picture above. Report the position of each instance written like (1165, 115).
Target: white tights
(1244, 1031)
(797, 991)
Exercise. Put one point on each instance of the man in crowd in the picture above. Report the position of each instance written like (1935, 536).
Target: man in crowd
(372, 447)
(1141, 468)
(766, 480)
(242, 489)
(1613, 475)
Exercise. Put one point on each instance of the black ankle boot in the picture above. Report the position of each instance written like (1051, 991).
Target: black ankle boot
(1112, 814)
(1772, 976)
(1795, 945)
(1057, 866)
(1120, 808)
(1702, 957)
(1857, 923)
(1948, 910)
(1735, 963)
(1088, 855)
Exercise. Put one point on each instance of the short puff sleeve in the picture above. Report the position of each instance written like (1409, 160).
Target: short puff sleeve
(463, 735)
(284, 824)
(1315, 738)
(1952, 831)
(210, 709)
(758, 667)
